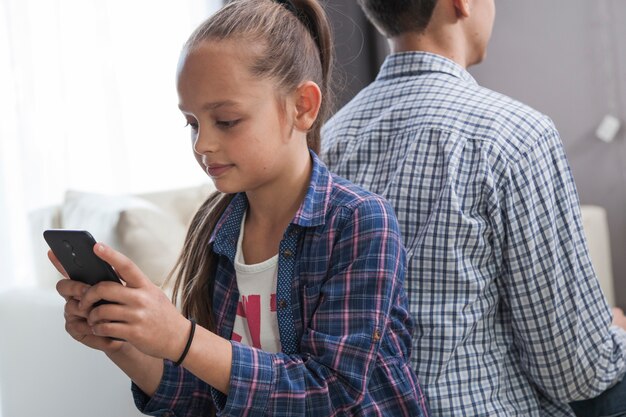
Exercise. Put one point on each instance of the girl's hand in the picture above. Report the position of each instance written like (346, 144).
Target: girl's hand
(76, 319)
(141, 314)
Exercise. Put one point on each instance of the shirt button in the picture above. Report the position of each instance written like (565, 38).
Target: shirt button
(282, 303)
(376, 335)
(287, 253)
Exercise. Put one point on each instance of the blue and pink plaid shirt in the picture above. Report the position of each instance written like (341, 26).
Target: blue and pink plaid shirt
(344, 325)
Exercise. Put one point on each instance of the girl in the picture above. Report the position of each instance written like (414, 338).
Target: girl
(293, 275)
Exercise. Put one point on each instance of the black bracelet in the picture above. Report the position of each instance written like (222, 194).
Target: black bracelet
(188, 345)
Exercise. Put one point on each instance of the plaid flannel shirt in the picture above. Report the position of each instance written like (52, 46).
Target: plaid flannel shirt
(344, 326)
(510, 319)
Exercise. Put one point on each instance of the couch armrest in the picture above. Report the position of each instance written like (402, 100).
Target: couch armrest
(44, 372)
(597, 233)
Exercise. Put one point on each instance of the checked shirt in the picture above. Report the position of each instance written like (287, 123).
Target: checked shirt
(510, 319)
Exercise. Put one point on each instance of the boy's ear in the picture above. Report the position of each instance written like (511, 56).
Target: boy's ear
(462, 7)
(308, 101)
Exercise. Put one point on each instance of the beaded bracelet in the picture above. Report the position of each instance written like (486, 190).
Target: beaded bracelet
(188, 345)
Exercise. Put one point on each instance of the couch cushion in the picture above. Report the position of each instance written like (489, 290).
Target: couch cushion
(182, 202)
(149, 234)
(595, 226)
(152, 239)
(100, 213)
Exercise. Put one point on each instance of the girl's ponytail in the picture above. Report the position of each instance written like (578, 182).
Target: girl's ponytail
(194, 272)
(320, 30)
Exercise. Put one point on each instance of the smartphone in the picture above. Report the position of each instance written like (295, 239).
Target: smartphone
(74, 249)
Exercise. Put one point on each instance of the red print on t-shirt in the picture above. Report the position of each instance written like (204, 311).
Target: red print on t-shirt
(249, 309)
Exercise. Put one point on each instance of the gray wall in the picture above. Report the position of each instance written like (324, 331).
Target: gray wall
(358, 52)
(567, 58)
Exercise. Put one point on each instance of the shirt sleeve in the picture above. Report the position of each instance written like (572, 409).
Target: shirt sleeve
(332, 372)
(561, 319)
(180, 394)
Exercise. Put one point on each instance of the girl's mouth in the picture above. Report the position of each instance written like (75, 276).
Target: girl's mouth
(216, 170)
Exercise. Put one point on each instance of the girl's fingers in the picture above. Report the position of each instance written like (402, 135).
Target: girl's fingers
(68, 288)
(111, 329)
(108, 291)
(72, 310)
(57, 264)
(126, 269)
(110, 312)
(75, 324)
(77, 327)
(80, 330)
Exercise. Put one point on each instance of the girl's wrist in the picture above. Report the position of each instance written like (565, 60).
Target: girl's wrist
(180, 340)
(192, 332)
(144, 370)
(122, 349)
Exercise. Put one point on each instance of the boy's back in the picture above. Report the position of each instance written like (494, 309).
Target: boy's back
(508, 310)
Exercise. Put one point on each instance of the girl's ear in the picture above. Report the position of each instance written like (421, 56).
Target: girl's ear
(308, 100)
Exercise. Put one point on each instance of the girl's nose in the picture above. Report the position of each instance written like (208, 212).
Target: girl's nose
(205, 142)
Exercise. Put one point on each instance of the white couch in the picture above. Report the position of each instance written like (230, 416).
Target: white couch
(43, 372)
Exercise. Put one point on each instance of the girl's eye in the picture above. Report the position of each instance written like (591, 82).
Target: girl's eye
(226, 124)
(194, 126)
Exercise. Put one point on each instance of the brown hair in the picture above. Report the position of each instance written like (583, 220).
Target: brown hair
(296, 45)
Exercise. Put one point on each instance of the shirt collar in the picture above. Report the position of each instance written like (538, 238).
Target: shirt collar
(312, 211)
(413, 63)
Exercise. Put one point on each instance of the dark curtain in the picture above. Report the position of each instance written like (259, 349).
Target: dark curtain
(359, 49)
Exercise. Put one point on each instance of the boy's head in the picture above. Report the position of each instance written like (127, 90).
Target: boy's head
(394, 17)
(457, 29)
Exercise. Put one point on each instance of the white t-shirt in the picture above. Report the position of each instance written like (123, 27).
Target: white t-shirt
(256, 323)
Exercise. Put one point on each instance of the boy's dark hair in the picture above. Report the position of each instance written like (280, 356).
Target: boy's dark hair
(394, 17)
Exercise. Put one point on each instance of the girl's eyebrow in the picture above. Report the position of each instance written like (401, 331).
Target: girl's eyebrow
(213, 105)
(218, 104)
